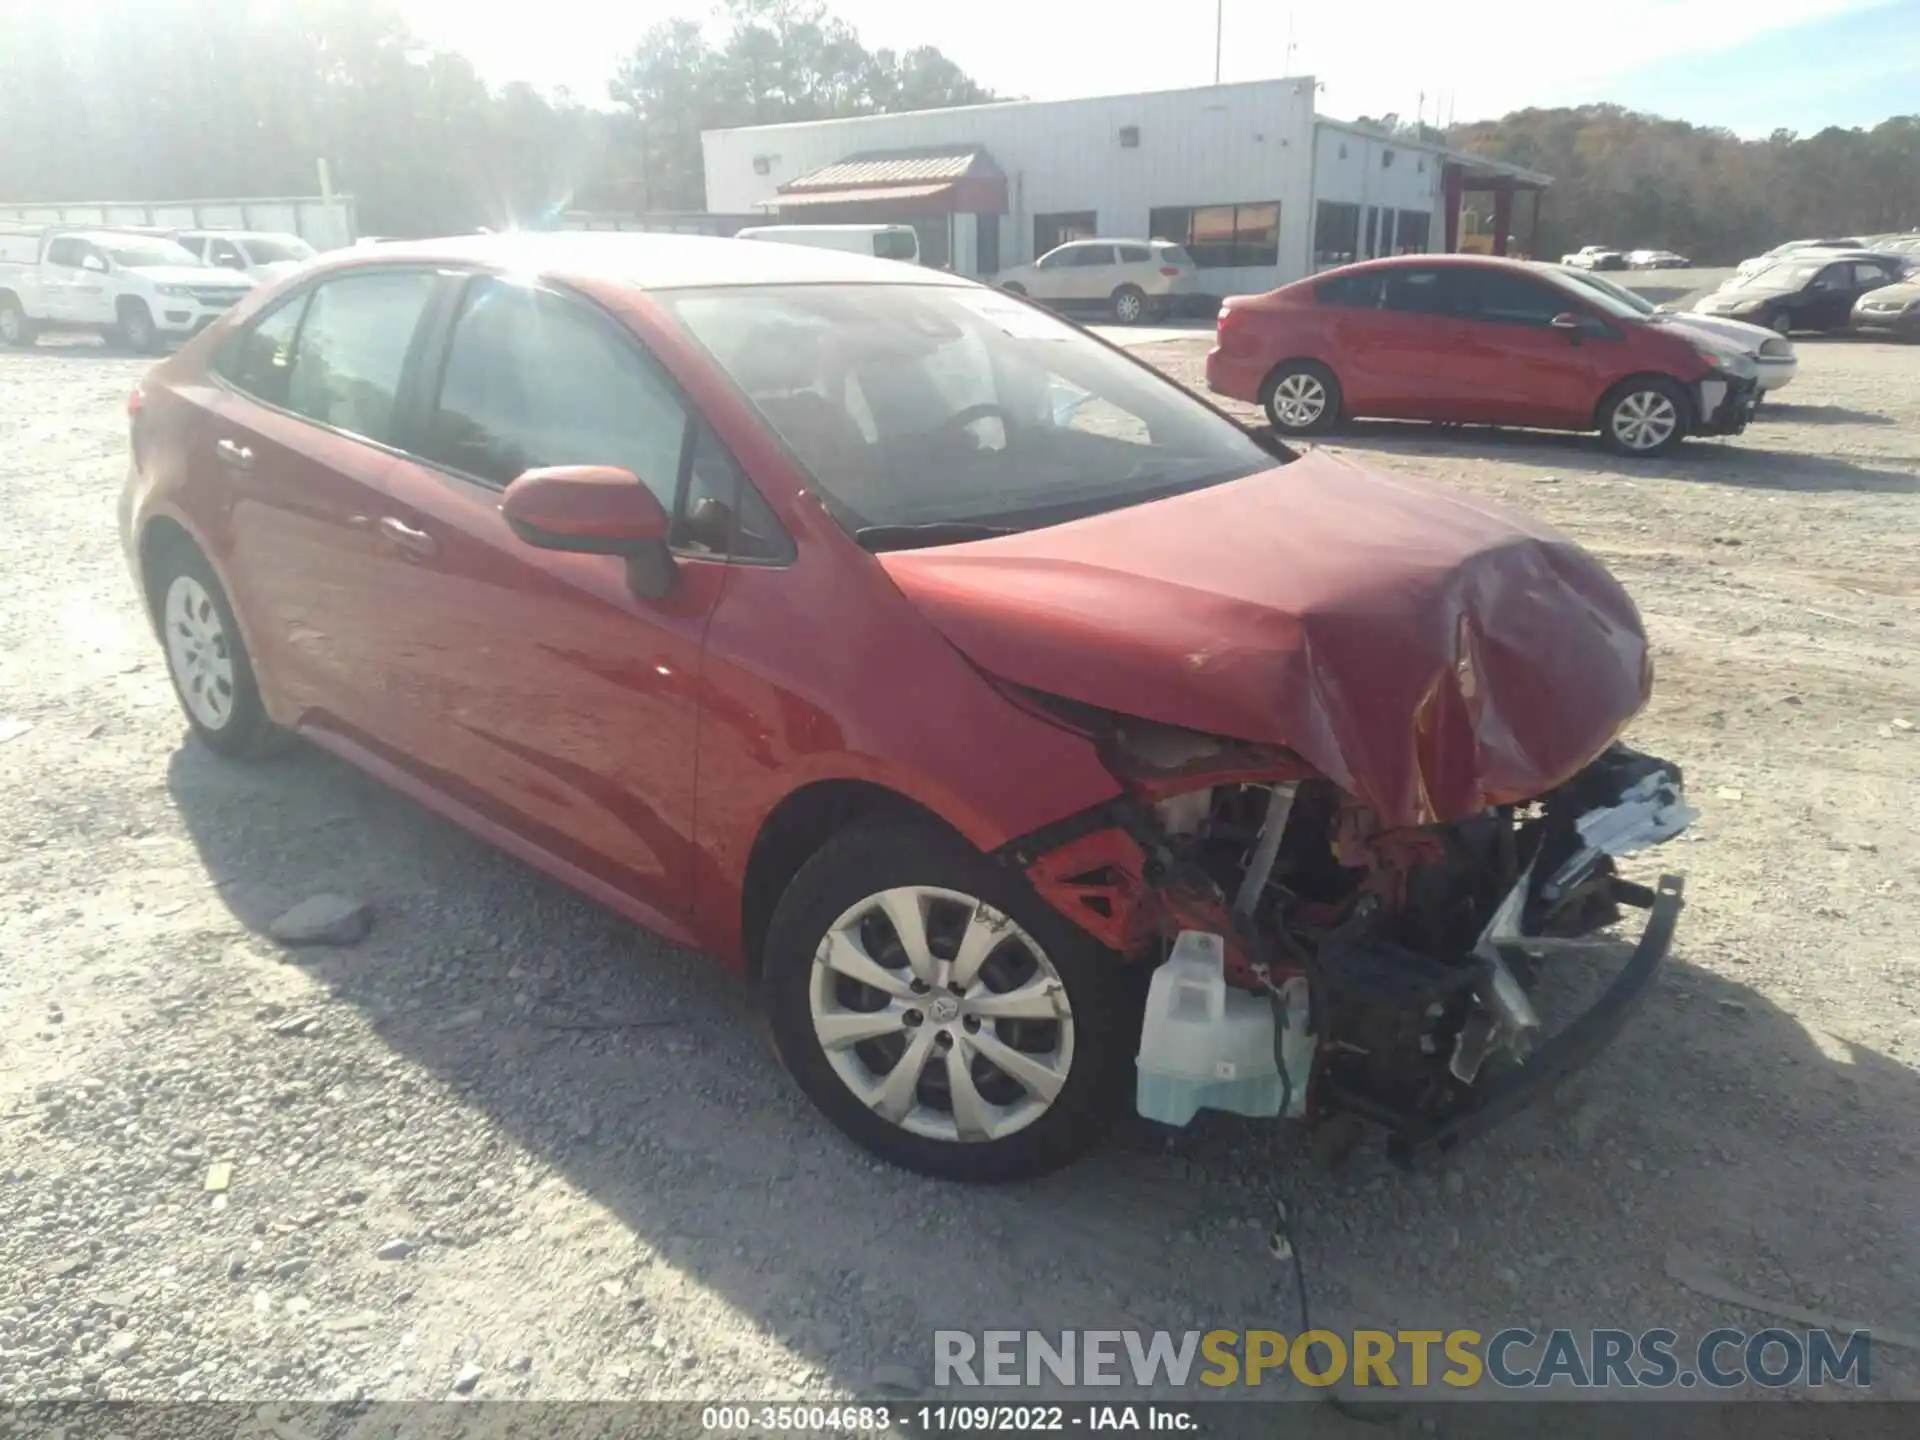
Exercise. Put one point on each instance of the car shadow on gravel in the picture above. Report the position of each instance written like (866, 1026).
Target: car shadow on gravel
(1786, 410)
(1727, 462)
(559, 1034)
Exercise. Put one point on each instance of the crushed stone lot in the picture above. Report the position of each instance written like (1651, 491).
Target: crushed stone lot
(509, 1146)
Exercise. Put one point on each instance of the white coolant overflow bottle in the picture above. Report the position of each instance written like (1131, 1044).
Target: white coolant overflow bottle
(1206, 1044)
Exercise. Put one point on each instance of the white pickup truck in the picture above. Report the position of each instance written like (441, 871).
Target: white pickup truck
(138, 289)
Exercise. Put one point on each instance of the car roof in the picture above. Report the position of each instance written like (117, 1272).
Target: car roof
(648, 261)
(240, 234)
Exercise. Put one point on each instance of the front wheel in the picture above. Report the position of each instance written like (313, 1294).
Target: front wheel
(1780, 322)
(1645, 416)
(939, 1012)
(136, 330)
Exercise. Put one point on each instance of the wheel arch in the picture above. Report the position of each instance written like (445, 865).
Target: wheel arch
(795, 829)
(159, 537)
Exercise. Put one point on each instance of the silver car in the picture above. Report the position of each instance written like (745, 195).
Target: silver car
(1131, 280)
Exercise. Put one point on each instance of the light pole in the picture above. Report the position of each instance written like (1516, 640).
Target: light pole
(1219, 29)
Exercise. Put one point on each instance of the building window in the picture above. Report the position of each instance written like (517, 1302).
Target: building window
(1336, 233)
(1411, 238)
(1057, 229)
(1129, 137)
(1217, 236)
(763, 165)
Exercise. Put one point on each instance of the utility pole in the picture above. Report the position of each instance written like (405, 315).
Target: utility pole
(1219, 31)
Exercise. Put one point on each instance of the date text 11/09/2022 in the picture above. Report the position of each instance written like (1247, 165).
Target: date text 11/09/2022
(945, 1419)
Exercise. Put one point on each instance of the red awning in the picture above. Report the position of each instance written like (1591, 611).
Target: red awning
(868, 194)
(895, 184)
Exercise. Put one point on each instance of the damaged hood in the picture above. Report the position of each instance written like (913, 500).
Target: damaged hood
(1429, 653)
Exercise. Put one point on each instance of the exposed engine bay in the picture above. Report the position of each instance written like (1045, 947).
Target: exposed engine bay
(1416, 949)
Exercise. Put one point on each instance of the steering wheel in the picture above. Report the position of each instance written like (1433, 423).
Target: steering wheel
(972, 415)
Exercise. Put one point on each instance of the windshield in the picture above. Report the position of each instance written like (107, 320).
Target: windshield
(271, 252)
(1787, 274)
(958, 406)
(1618, 294)
(137, 254)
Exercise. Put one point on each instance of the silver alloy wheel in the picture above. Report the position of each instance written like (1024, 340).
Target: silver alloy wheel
(1644, 420)
(1299, 400)
(941, 1014)
(1127, 307)
(197, 650)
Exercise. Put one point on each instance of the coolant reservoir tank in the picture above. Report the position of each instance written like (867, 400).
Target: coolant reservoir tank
(1205, 1044)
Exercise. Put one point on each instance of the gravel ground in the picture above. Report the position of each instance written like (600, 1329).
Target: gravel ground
(510, 1146)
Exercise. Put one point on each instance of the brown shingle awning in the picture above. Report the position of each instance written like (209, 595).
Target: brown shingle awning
(942, 181)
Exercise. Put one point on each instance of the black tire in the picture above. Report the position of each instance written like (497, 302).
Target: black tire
(1780, 322)
(1619, 423)
(1014, 287)
(1129, 304)
(1104, 999)
(245, 732)
(16, 330)
(1289, 398)
(135, 329)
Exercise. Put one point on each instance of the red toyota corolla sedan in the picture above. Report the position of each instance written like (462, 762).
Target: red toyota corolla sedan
(1477, 341)
(923, 658)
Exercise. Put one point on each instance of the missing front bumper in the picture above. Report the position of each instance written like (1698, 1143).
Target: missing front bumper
(1573, 1047)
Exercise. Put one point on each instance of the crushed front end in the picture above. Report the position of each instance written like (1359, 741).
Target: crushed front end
(1416, 950)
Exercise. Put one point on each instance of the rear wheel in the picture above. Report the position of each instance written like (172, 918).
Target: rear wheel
(939, 1012)
(1129, 305)
(206, 660)
(1647, 415)
(136, 330)
(16, 329)
(1302, 398)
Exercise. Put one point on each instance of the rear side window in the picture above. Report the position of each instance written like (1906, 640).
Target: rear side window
(896, 245)
(1174, 255)
(1356, 292)
(1135, 254)
(259, 360)
(533, 379)
(1092, 255)
(352, 348)
(1416, 292)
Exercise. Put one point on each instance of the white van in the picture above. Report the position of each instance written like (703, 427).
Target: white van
(888, 242)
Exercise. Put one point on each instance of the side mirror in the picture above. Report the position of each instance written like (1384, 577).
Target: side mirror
(94, 263)
(594, 510)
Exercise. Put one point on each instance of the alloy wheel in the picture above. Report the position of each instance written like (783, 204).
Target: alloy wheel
(1127, 307)
(1299, 400)
(199, 653)
(941, 1015)
(1644, 420)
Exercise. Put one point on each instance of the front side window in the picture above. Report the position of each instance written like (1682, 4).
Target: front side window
(1090, 255)
(919, 405)
(352, 348)
(1834, 277)
(259, 361)
(1504, 298)
(272, 250)
(66, 251)
(533, 379)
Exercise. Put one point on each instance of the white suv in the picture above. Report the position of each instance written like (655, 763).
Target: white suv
(1132, 280)
(262, 254)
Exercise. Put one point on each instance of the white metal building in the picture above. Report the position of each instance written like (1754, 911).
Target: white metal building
(1258, 187)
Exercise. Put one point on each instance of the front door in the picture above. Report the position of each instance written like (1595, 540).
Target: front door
(1090, 278)
(298, 445)
(532, 684)
(1052, 276)
(1828, 301)
(1506, 364)
(73, 282)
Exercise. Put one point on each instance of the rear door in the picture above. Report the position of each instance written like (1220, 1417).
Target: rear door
(302, 436)
(531, 684)
(1383, 333)
(1506, 364)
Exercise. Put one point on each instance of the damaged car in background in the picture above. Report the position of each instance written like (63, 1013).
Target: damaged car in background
(1036, 738)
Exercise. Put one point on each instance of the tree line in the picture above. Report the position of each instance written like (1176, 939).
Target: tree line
(207, 99)
(203, 99)
(1634, 181)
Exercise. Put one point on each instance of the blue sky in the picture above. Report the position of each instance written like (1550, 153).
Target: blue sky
(1749, 64)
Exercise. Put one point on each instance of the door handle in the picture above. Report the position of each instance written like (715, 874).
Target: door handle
(231, 452)
(403, 535)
